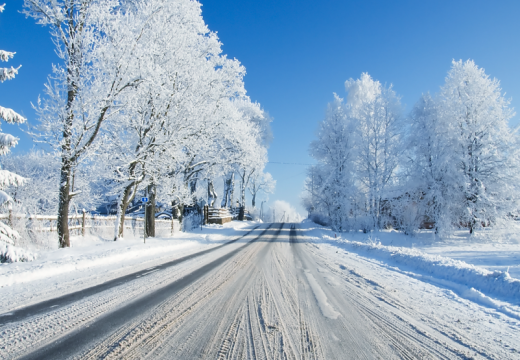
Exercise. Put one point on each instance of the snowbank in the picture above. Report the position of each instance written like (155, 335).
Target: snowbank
(492, 283)
(94, 256)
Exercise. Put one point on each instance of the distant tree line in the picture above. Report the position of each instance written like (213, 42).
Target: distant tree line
(452, 162)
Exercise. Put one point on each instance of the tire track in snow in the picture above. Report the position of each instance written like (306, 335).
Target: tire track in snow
(69, 344)
(262, 303)
(44, 306)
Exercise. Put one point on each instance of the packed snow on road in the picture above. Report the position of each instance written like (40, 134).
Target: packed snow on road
(258, 290)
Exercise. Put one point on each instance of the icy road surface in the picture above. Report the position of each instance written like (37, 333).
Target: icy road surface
(268, 295)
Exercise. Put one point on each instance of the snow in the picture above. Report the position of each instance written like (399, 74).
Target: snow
(8, 178)
(8, 73)
(11, 254)
(6, 55)
(316, 296)
(321, 298)
(421, 259)
(8, 235)
(91, 260)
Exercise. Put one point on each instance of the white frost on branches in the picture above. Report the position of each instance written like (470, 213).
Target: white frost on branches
(10, 116)
(6, 55)
(454, 162)
(145, 96)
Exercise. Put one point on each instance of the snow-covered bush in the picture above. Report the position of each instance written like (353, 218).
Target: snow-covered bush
(320, 219)
(11, 254)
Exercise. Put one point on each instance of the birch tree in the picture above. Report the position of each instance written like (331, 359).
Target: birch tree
(336, 151)
(379, 130)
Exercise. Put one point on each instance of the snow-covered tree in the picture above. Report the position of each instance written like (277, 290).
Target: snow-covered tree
(335, 149)
(359, 149)
(260, 182)
(253, 144)
(379, 136)
(433, 180)
(484, 148)
(98, 53)
(8, 141)
(39, 195)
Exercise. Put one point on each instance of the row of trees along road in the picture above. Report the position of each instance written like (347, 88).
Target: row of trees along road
(142, 100)
(453, 162)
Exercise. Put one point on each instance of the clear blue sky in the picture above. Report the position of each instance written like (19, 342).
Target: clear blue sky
(297, 53)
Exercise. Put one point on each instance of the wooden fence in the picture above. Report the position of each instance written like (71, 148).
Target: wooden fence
(81, 222)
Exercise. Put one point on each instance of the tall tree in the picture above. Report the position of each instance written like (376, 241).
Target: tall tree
(261, 182)
(336, 151)
(432, 173)
(379, 131)
(484, 148)
(98, 53)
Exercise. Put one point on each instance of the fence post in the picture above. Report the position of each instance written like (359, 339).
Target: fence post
(172, 224)
(10, 217)
(83, 223)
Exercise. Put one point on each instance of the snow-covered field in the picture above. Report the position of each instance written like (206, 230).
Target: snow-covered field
(93, 259)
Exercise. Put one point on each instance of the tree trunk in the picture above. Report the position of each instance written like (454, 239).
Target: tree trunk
(243, 191)
(64, 201)
(253, 201)
(180, 209)
(66, 160)
(122, 205)
(212, 195)
(232, 190)
(150, 221)
(227, 197)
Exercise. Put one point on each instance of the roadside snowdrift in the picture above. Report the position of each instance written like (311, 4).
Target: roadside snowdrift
(94, 256)
(492, 283)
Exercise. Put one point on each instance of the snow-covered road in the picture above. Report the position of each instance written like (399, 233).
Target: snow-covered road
(269, 295)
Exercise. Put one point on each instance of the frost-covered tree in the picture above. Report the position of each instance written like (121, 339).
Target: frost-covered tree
(377, 110)
(484, 148)
(253, 144)
(359, 149)
(39, 195)
(260, 182)
(98, 53)
(433, 180)
(336, 151)
(8, 141)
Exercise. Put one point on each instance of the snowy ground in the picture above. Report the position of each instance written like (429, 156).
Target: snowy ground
(492, 249)
(276, 293)
(488, 326)
(94, 259)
